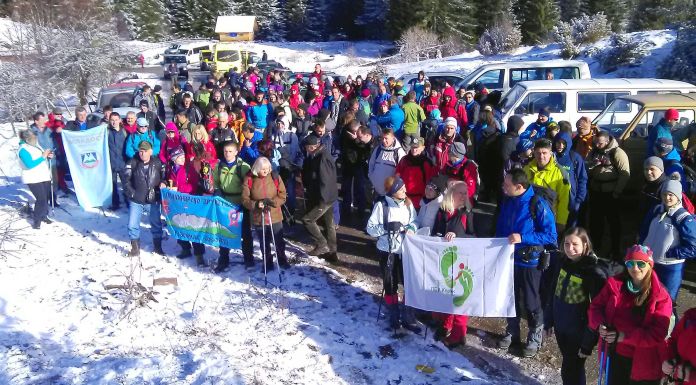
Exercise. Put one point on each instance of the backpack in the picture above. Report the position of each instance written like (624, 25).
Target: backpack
(460, 175)
(608, 268)
(545, 193)
(385, 211)
(365, 106)
(397, 158)
(273, 175)
(206, 184)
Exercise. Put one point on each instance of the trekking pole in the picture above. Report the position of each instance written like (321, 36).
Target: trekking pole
(601, 347)
(275, 248)
(263, 251)
(379, 309)
(53, 198)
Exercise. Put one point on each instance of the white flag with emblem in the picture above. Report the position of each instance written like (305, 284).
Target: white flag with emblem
(90, 168)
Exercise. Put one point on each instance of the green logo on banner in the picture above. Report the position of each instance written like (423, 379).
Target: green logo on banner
(464, 275)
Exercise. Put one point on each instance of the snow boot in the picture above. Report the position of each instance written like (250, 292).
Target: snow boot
(185, 253)
(135, 248)
(157, 249)
(200, 261)
(392, 302)
(223, 261)
(534, 338)
(408, 320)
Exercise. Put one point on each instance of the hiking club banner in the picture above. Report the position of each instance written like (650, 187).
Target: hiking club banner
(88, 158)
(468, 276)
(209, 220)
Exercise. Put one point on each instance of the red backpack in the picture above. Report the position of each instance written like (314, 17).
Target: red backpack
(686, 203)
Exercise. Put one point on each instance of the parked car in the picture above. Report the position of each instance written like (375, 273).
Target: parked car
(120, 96)
(181, 65)
(437, 79)
(269, 65)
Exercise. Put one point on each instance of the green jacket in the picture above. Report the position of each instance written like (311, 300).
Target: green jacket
(228, 180)
(413, 115)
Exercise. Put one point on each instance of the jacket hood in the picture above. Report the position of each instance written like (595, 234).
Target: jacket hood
(449, 91)
(672, 155)
(566, 139)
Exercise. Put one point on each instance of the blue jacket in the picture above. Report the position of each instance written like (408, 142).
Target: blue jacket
(134, 140)
(661, 130)
(44, 138)
(117, 148)
(672, 163)
(516, 217)
(260, 114)
(686, 228)
(530, 130)
(572, 162)
(250, 153)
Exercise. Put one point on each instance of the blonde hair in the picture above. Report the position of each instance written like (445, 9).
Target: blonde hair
(259, 164)
(200, 128)
(448, 199)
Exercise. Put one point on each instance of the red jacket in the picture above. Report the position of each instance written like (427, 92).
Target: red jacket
(438, 150)
(682, 344)
(429, 104)
(415, 177)
(467, 171)
(644, 337)
(208, 146)
(184, 178)
(447, 109)
(295, 99)
(130, 129)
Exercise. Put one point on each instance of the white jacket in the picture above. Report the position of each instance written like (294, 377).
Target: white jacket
(428, 212)
(383, 163)
(397, 212)
(37, 174)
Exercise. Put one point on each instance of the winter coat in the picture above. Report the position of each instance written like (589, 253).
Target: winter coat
(151, 119)
(417, 86)
(133, 142)
(302, 126)
(142, 184)
(194, 114)
(394, 119)
(249, 151)
(574, 165)
(208, 148)
(117, 149)
(319, 176)
(428, 212)
(466, 170)
(382, 164)
(377, 101)
(472, 112)
(535, 131)
(44, 138)
(295, 99)
(264, 188)
(150, 98)
(228, 179)
(130, 129)
(680, 345)
(289, 148)
(439, 150)
(260, 114)
(446, 222)
(336, 107)
(185, 178)
(554, 177)
(644, 331)
(415, 172)
(169, 144)
(220, 136)
(34, 166)
(74, 125)
(608, 170)
(674, 169)
(401, 212)
(582, 144)
(355, 154)
(186, 130)
(516, 217)
(413, 116)
(660, 130)
(430, 103)
(508, 144)
(652, 194)
(670, 234)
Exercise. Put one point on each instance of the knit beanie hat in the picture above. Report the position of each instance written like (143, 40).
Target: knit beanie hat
(640, 253)
(654, 161)
(396, 186)
(170, 127)
(176, 152)
(458, 149)
(674, 187)
(664, 145)
(544, 112)
(514, 123)
(451, 122)
(671, 114)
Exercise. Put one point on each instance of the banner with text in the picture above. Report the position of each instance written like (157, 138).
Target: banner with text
(209, 220)
(90, 168)
(470, 276)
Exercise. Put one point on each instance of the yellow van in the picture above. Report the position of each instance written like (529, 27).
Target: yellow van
(227, 56)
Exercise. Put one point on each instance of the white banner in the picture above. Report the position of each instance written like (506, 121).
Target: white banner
(90, 168)
(470, 276)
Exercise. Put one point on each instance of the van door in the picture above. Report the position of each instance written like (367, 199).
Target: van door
(493, 79)
(529, 108)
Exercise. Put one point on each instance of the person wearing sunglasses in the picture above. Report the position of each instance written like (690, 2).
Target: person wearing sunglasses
(670, 232)
(632, 315)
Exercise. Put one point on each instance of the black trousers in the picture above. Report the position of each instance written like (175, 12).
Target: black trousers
(604, 208)
(42, 194)
(198, 248)
(620, 371)
(572, 367)
(391, 277)
(115, 195)
(277, 229)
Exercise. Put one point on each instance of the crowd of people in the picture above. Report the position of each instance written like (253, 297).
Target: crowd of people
(417, 156)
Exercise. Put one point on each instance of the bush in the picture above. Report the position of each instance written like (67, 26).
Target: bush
(580, 30)
(418, 44)
(681, 63)
(624, 51)
(503, 36)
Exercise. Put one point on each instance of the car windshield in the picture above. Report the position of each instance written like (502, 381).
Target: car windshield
(206, 55)
(117, 99)
(228, 55)
(174, 59)
(511, 98)
(617, 116)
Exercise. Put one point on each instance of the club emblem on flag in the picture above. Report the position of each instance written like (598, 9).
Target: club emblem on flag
(89, 160)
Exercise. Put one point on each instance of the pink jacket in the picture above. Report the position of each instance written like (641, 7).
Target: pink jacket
(184, 178)
(169, 144)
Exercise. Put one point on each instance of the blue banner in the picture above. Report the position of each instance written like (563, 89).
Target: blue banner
(88, 157)
(208, 220)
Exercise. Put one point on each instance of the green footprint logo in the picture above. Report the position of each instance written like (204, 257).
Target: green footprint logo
(464, 275)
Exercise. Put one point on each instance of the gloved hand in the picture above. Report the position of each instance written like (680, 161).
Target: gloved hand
(393, 227)
(269, 202)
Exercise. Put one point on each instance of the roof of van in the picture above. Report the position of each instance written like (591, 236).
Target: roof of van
(664, 100)
(663, 84)
(536, 63)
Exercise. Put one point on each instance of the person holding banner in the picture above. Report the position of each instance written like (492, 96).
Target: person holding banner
(36, 174)
(143, 134)
(392, 217)
(527, 221)
(117, 137)
(145, 175)
(450, 223)
(263, 195)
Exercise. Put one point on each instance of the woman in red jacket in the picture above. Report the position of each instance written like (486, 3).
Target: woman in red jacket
(200, 135)
(416, 170)
(680, 357)
(632, 314)
(431, 103)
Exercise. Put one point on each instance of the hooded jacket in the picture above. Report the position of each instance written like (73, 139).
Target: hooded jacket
(394, 119)
(447, 108)
(264, 188)
(382, 164)
(574, 165)
(288, 145)
(430, 103)
(660, 130)
(681, 347)
(535, 131)
(608, 170)
(260, 114)
(169, 144)
(185, 178)
(644, 332)
(415, 171)
(133, 142)
(413, 116)
(555, 178)
(396, 212)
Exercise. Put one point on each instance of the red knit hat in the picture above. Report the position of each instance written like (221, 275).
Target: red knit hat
(640, 253)
(671, 114)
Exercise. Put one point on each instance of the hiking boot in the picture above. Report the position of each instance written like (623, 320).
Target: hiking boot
(36, 225)
(318, 250)
(451, 344)
(534, 339)
(508, 342)
(330, 257)
(222, 263)
(200, 261)
(157, 249)
(185, 253)
(47, 220)
(135, 248)
(442, 334)
(530, 350)
(408, 320)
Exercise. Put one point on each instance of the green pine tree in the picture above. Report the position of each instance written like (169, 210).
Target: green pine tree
(488, 12)
(657, 14)
(146, 19)
(296, 16)
(616, 11)
(572, 8)
(536, 18)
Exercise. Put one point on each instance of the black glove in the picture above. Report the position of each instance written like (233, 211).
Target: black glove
(393, 227)
(269, 202)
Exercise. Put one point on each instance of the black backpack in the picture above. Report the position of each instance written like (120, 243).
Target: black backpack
(545, 193)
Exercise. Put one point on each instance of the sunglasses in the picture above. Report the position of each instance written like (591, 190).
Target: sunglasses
(640, 264)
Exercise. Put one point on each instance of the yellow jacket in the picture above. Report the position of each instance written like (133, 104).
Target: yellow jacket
(556, 179)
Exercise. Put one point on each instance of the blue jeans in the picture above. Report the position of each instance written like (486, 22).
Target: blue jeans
(670, 276)
(135, 212)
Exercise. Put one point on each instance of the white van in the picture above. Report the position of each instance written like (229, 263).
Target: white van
(193, 51)
(503, 76)
(571, 99)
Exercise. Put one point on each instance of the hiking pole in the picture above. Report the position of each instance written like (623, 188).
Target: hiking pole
(53, 198)
(606, 368)
(263, 251)
(379, 309)
(275, 248)
(602, 347)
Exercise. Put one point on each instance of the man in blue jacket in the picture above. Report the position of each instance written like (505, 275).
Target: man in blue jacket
(143, 134)
(527, 221)
(663, 129)
(260, 112)
(573, 163)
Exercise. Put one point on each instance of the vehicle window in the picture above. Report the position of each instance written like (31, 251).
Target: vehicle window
(554, 101)
(618, 115)
(229, 55)
(174, 59)
(597, 101)
(116, 100)
(492, 79)
(206, 55)
(659, 92)
(511, 97)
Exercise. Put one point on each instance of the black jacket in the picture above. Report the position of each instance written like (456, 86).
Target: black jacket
(117, 149)
(73, 125)
(508, 144)
(220, 136)
(319, 177)
(456, 224)
(143, 183)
